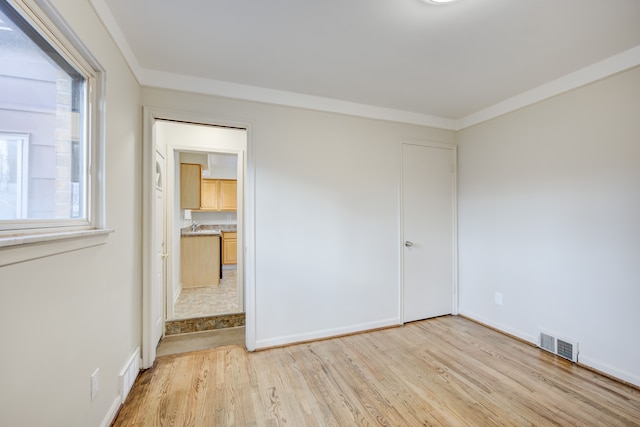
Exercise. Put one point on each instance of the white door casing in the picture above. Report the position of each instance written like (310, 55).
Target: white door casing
(428, 224)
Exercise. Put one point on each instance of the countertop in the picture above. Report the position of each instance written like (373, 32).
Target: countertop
(201, 233)
(208, 230)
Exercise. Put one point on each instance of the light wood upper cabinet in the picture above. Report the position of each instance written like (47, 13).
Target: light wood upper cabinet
(228, 195)
(190, 182)
(206, 194)
(209, 196)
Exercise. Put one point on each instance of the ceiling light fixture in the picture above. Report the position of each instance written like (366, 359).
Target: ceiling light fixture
(439, 1)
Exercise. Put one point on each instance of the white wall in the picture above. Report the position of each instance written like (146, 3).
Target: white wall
(66, 315)
(200, 158)
(222, 172)
(215, 217)
(549, 215)
(213, 170)
(326, 214)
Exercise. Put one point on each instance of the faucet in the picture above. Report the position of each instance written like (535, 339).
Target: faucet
(194, 226)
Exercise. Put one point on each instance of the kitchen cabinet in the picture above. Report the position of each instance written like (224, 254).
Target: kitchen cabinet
(218, 195)
(229, 247)
(206, 194)
(209, 194)
(190, 185)
(228, 192)
(200, 260)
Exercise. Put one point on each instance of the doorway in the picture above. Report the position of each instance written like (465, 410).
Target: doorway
(429, 231)
(224, 296)
(171, 133)
(212, 152)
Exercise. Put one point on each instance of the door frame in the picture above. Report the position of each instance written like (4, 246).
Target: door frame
(246, 232)
(454, 219)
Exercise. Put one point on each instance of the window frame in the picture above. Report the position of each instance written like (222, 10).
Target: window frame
(56, 236)
(21, 161)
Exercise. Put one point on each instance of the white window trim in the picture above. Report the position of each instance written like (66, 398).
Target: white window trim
(27, 247)
(24, 245)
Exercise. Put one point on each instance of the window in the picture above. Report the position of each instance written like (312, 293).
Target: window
(49, 154)
(51, 136)
(13, 154)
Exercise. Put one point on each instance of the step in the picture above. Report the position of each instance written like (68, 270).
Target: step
(207, 323)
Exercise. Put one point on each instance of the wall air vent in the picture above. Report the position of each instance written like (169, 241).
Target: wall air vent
(565, 349)
(559, 346)
(547, 342)
(129, 374)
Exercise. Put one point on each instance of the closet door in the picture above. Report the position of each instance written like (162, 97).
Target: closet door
(428, 207)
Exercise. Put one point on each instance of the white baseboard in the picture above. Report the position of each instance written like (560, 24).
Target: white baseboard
(533, 339)
(113, 411)
(326, 333)
(609, 370)
(582, 359)
(129, 373)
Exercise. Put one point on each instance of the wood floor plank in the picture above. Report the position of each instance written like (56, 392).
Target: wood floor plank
(447, 371)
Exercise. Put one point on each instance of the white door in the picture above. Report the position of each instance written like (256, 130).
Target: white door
(428, 231)
(159, 251)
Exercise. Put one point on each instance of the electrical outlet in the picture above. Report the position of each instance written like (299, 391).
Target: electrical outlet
(228, 217)
(498, 298)
(95, 383)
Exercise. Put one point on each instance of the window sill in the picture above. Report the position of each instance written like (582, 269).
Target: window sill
(15, 249)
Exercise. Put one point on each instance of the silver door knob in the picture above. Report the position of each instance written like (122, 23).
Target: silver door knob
(408, 243)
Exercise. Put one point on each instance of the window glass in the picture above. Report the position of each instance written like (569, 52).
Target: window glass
(43, 139)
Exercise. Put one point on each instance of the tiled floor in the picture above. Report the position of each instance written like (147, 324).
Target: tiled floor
(209, 300)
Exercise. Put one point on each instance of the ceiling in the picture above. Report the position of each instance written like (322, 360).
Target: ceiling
(446, 65)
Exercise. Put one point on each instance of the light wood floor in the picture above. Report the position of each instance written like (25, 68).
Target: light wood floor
(447, 371)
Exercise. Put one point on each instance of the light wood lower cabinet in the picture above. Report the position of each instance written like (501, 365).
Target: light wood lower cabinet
(229, 248)
(200, 261)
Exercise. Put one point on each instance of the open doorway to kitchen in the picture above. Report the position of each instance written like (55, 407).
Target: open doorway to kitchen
(166, 133)
(206, 223)
(204, 288)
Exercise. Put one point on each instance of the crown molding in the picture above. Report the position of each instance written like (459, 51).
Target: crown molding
(159, 79)
(623, 61)
(104, 14)
(186, 83)
(615, 64)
